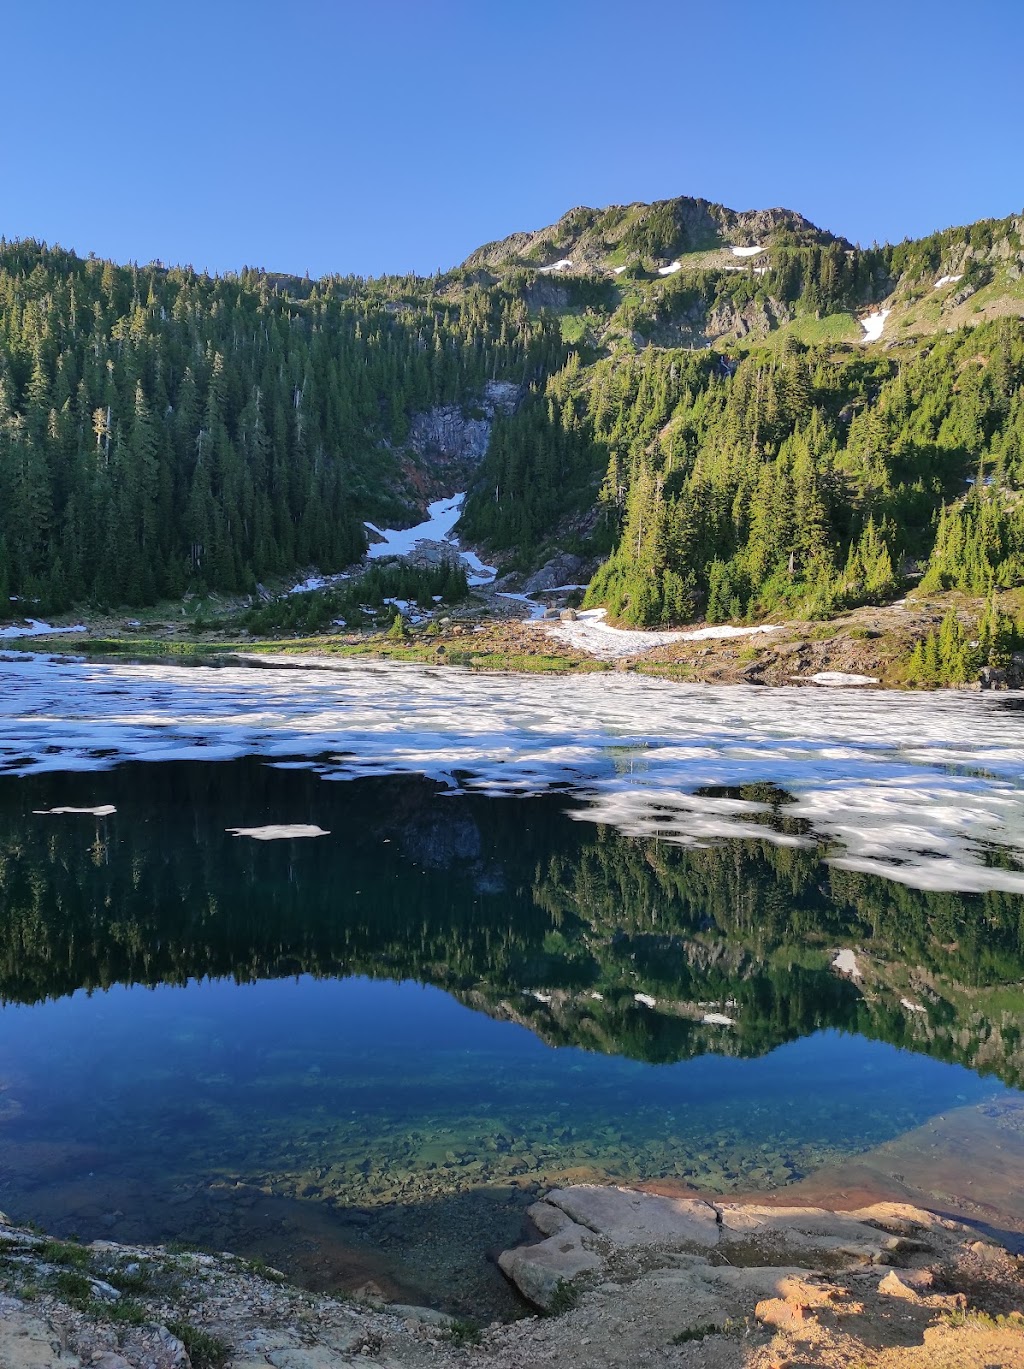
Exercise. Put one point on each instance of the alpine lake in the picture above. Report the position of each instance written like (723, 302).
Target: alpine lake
(360, 1056)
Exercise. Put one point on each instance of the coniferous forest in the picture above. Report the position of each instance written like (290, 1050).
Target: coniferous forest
(162, 430)
(716, 437)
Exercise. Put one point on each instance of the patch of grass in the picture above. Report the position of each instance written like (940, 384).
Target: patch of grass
(64, 1253)
(564, 1298)
(463, 1333)
(73, 1286)
(130, 1279)
(204, 1350)
(705, 1329)
(974, 1320)
(126, 1312)
(262, 1270)
(531, 665)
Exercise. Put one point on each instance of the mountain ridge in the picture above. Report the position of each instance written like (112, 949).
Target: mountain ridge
(737, 413)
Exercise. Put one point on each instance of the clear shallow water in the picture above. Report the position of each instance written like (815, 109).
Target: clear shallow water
(359, 1055)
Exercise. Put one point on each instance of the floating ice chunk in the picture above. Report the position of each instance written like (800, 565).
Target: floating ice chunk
(747, 251)
(278, 831)
(717, 1019)
(35, 628)
(669, 270)
(645, 999)
(873, 324)
(101, 810)
(946, 280)
(846, 963)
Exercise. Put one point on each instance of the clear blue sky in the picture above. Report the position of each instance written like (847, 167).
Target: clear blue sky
(394, 135)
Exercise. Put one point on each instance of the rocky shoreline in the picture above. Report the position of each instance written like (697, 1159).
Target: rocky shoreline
(619, 1277)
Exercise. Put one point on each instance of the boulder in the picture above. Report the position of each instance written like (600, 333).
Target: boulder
(537, 1270)
(564, 569)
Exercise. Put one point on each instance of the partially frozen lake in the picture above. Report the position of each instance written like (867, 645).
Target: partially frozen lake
(335, 964)
(927, 789)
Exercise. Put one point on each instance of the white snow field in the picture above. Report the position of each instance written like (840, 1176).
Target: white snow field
(32, 627)
(747, 251)
(946, 280)
(669, 270)
(873, 325)
(562, 265)
(927, 789)
(441, 518)
(591, 633)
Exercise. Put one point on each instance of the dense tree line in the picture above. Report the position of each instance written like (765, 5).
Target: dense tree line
(163, 429)
(799, 479)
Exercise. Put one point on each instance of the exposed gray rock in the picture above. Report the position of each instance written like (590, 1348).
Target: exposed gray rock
(590, 1230)
(564, 569)
(537, 1270)
(454, 433)
(629, 1218)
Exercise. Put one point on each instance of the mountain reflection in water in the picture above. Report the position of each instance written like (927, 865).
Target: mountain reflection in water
(231, 1109)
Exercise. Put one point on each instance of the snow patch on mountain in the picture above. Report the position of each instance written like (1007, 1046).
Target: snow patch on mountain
(873, 324)
(438, 526)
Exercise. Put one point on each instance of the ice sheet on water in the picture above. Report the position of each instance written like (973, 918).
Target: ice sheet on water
(916, 788)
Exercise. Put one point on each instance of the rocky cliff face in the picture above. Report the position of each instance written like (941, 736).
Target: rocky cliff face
(454, 434)
(446, 444)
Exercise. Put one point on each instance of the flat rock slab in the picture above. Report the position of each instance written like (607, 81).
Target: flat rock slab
(29, 1342)
(627, 1218)
(804, 1228)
